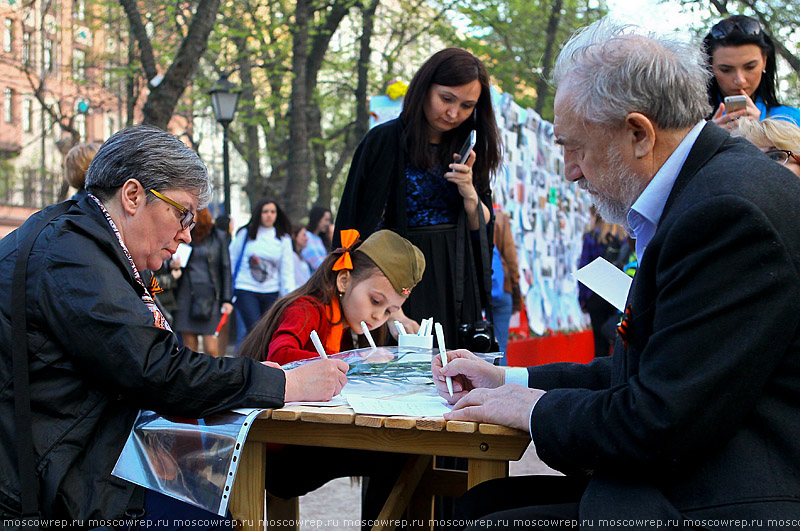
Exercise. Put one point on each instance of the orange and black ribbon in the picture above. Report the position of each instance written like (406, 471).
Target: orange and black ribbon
(349, 238)
(623, 329)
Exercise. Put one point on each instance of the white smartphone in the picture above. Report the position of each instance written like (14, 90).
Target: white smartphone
(469, 143)
(735, 103)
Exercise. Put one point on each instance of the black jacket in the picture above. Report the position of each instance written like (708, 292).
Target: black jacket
(699, 410)
(219, 265)
(96, 358)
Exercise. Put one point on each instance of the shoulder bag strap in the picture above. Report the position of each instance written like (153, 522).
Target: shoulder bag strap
(239, 260)
(22, 400)
(485, 265)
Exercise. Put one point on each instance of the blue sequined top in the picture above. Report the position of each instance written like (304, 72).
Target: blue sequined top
(430, 198)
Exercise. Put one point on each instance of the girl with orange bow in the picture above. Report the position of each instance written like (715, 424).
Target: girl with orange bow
(358, 282)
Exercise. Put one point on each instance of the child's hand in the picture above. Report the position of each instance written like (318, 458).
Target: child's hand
(316, 381)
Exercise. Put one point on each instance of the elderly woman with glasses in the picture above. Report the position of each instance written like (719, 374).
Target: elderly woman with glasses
(742, 59)
(778, 139)
(96, 348)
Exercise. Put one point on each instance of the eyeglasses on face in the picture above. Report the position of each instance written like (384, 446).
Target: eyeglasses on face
(781, 156)
(187, 218)
(747, 26)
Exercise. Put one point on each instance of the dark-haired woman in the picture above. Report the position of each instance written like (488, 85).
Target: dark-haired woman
(319, 240)
(262, 259)
(404, 177)
(742, 58)
(204, 288)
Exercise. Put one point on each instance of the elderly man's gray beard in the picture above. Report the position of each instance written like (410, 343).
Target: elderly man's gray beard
(627, 186)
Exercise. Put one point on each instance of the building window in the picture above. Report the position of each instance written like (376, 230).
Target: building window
(26, 48)
(47, 62)
(79, 9)
(8, 35)
(80, 124)
(7, 108)
(27, 115)
(78, 64)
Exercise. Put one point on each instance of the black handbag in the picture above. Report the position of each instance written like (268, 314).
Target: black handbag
(476, 335)
(201, 308)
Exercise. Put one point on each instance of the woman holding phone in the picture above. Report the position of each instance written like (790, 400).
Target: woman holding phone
(406, 176)
(742, 58)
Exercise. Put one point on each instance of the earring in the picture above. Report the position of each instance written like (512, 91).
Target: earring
(764, 71)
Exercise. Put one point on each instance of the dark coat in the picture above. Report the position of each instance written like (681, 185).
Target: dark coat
(699, 410)
(219, 265)
(96, 359)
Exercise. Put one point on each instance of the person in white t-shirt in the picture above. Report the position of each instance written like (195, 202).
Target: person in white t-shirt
(262, 259)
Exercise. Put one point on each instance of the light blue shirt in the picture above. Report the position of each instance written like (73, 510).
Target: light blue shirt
(646, 212)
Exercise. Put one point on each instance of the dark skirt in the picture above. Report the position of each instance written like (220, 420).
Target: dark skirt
(435, 295)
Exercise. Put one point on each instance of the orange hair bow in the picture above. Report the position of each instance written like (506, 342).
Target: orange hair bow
(349, 238)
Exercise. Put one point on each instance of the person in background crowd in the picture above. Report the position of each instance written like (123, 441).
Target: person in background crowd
(302, 271)
(742, 59)
(506, 297)
(778, 139)
(76, 162)
(693, 421)
(603, 240)
(405, 177)
(318, 232)
(167, 278)
(204, 288)
(98, 348)
(262, 259)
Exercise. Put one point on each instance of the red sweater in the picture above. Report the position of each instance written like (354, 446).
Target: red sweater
(291, 341)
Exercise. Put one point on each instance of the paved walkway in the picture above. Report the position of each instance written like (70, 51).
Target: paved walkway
(337, 505)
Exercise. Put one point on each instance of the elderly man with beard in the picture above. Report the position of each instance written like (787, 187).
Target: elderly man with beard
(694, 421)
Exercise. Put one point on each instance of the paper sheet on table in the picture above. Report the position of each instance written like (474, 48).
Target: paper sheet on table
(417, 407)
(602, 277)
(183, 253)
(337, 400)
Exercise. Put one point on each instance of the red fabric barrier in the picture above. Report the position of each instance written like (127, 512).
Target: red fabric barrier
(576, 347)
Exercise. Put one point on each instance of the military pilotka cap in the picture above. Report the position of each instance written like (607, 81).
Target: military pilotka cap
(399, 259)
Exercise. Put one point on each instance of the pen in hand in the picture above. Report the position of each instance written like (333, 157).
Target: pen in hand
(443, 354)
(318, 344)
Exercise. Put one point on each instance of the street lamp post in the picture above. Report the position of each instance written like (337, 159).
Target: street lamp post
(224, 98)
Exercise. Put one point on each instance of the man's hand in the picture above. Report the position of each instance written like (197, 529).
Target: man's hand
(316, 382)
(468, 372)
(509, 405)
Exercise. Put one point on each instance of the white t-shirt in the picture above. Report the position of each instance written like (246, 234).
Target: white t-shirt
(267, 264)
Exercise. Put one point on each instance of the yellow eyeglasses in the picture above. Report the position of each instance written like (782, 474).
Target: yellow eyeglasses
(187, 218)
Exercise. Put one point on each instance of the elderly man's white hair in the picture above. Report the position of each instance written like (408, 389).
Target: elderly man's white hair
(612, 69)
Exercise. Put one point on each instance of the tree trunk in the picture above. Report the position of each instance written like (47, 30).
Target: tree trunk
(542, 85)
(362, 102)
(163, 97)
(299, 156)
(256, 186)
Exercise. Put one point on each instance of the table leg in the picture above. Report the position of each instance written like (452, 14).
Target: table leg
(283, 513)
(247, 499)
(480, 470)
(401, 494)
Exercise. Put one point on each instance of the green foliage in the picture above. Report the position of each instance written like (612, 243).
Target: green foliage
(511, 36)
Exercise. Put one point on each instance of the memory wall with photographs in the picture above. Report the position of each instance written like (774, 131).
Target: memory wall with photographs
(548, 214)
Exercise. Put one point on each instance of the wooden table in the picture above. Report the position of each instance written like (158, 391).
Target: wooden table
(487, 447)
